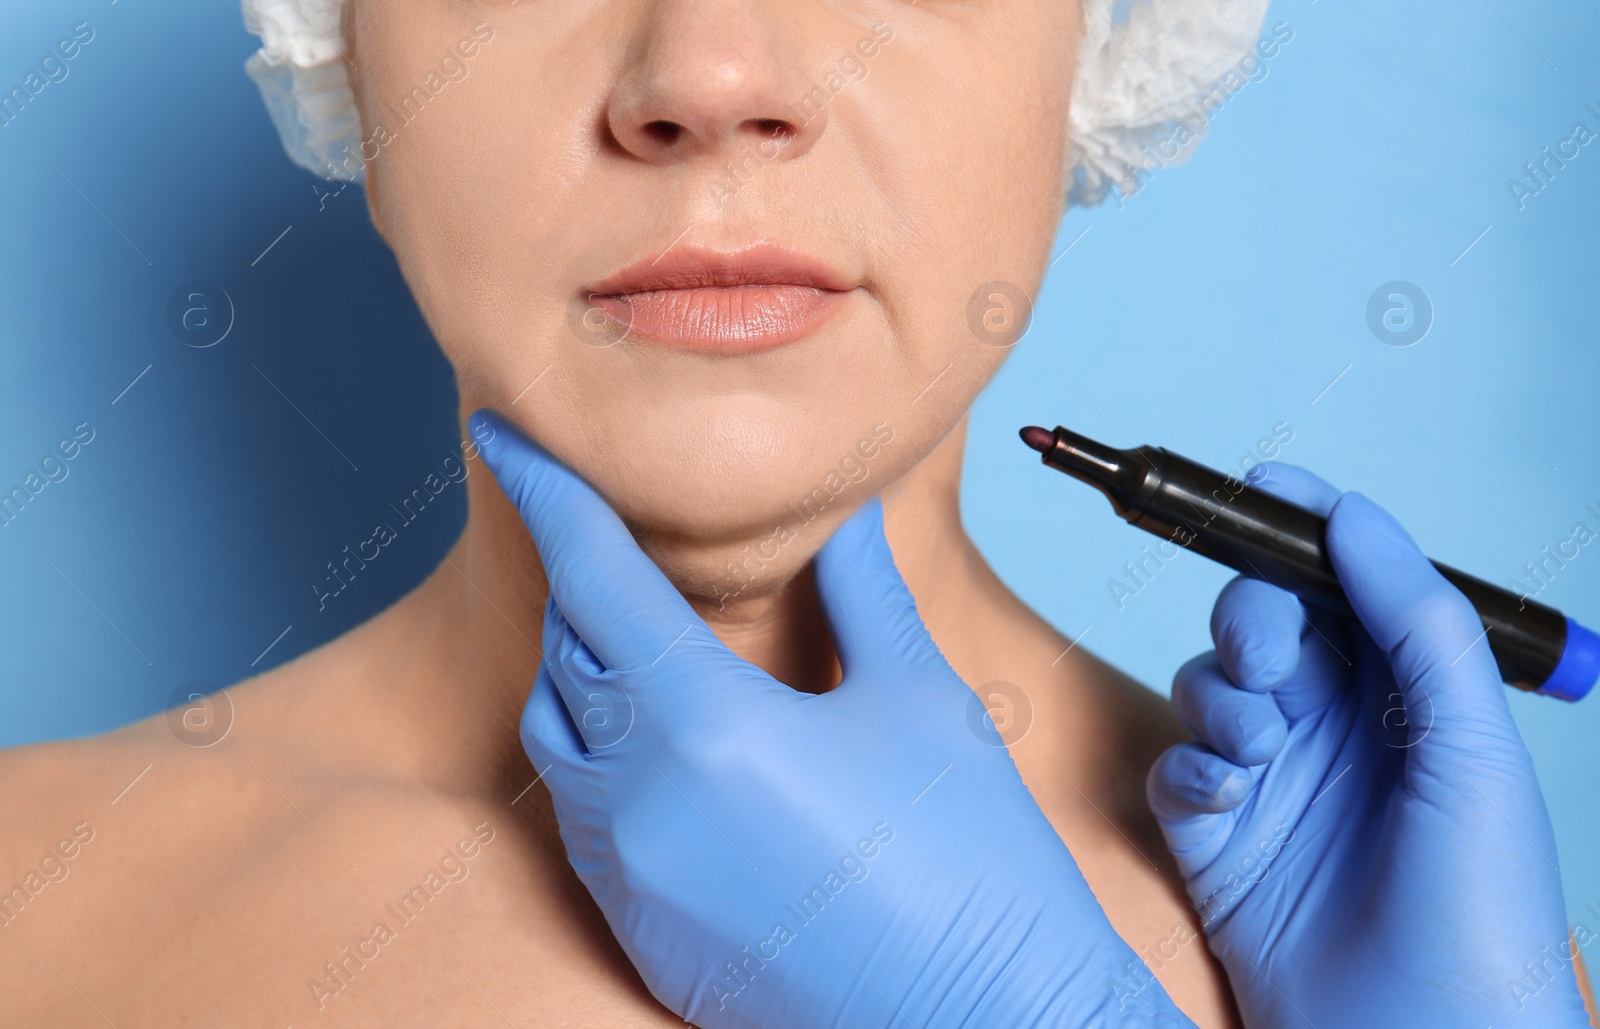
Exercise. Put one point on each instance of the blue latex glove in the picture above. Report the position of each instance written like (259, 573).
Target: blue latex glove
(866, 857)
(1374, 767)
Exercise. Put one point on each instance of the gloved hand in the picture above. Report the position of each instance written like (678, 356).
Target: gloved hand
(865, 857)
(1359, 823)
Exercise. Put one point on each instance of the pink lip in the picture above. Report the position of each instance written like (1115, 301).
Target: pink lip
(757, 298)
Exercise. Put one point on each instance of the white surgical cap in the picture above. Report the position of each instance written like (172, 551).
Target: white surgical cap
(1149, 79)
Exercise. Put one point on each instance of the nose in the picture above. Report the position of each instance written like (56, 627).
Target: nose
(709, 78)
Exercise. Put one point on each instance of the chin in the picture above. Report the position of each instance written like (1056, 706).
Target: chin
(733, 500)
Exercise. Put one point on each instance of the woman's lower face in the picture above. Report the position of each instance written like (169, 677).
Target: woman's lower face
(739, 264)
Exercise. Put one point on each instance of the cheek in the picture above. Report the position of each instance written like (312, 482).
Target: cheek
(975, 225)
(1006, 175)
(480, 216)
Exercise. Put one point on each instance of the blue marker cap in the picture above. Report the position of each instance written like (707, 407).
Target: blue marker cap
(1579, 667)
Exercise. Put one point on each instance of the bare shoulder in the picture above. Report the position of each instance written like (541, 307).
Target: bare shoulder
(51, 793)
(279, 856)
(1101, 749)
(1141, 721)
(61, 802)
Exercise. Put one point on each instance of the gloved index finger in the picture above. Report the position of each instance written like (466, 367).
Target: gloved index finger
(627, 612)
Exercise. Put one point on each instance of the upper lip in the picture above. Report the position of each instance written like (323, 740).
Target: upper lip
(694, 266)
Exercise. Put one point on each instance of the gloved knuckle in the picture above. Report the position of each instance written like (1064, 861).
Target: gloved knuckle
(1262, 660)
(1236, 727)
(1191, 677)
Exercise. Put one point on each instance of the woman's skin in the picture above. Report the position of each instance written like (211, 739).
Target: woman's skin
(221, 883)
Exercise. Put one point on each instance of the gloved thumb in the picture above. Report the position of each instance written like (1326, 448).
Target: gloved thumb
(1434, 640)
(872, 614)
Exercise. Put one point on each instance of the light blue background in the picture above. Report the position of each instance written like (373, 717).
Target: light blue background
(1218, 301)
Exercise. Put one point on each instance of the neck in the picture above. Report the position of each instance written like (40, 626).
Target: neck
(475, 624)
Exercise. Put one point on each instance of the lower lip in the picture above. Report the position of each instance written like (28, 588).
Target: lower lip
(727, 319)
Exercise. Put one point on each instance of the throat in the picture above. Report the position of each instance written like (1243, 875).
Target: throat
(783, 632)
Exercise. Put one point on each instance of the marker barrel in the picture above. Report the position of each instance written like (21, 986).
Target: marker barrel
(1262, 536)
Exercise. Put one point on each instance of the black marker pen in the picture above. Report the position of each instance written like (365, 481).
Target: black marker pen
(1537, 647)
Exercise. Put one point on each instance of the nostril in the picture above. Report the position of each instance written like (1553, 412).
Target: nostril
(665, 133)
(774, 127)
